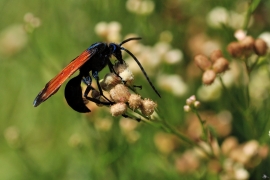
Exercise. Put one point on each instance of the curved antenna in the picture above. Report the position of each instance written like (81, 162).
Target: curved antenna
(129, 39)
(139, 64)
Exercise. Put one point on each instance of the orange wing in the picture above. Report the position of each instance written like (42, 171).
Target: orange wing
(54, 84)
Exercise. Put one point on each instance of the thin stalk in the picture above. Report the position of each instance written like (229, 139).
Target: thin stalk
(202, 122)
(245, 113)
(168, 128)
(253, 65)
(247, 19)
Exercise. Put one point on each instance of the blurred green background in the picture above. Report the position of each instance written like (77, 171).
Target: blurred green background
(38, 38)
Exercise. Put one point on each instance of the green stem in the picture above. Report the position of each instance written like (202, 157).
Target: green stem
(253, 65)
(202, 122)
(244, 112)
(253, 4)
(247, 18)
(234, 103)
(168, 128)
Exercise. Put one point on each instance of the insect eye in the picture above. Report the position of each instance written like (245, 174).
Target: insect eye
(113, 48)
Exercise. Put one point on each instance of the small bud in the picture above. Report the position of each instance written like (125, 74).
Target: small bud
(228, 145)
(134, 101)
(120, 93)
(208, 77)
(124, 72)
(127, 76)
(118, 109)
(191, 100)
(260, 47)
(240, 34)
(202, 62)
(220, 65)
(110, 81)
(118, 67)
(215, 55)
(148, 107)
(247, 43)
(197, 104)
(251, 148)
(235, 49)
(187, 108)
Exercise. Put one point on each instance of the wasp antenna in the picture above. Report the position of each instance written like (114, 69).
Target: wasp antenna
(129, 39)
(139, 64)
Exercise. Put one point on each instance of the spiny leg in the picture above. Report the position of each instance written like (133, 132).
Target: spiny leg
(88, 81)
(95, 75)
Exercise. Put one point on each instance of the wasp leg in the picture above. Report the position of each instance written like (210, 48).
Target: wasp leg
(95, 75)
(127, 116)
(87, 80)
(110, 65)
(73, 95)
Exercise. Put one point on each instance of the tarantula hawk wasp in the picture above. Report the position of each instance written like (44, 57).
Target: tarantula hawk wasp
(93, 59)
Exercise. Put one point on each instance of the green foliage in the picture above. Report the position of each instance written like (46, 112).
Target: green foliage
(54, 142)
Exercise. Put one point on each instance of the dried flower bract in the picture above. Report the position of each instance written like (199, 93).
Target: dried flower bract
(260, 47)
(220, 65)
(208, 77)
(118, 109)
(235, 49)
(134, 101)
(215, 55)
(110, 81)
(202, 62)
(148, 107)
(120, 93)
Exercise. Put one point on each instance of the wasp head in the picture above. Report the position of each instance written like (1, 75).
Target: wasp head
(116, 52)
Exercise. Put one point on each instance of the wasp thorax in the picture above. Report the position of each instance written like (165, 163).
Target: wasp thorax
(148, 107)
(134, 101)
(110, 81)
(120, 93)
(118, 109)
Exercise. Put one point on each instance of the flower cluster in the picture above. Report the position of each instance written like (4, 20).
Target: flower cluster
(140, 6)
(109, 31)
(247, 46)
(237, 158)
(118, 85)
(150, 57)
(216, 65)
(154, 57)
(191, 103)
(31, 22)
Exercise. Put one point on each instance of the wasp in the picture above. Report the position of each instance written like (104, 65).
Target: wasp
(93, 60)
